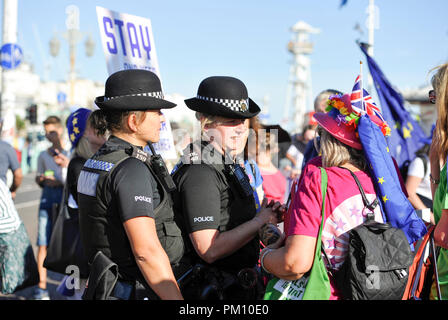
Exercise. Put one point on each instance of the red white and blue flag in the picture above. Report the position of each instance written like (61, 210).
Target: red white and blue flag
(360, 95)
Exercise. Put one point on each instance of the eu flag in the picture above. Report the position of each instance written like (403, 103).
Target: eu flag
(406, 134)
(396, 208)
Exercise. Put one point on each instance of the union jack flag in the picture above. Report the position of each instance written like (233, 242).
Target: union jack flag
(369, 106)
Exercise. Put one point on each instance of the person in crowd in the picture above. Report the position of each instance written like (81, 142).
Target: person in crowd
(274, 182)
(9, 161)
(214, 200)
(50, 177)
(29, 151)
(344, 161)
(18, 266)
(250, 161)
(438, 158)
(124, 198)
(418, 184)
(85, 140)
(319, 106)
(297, 149)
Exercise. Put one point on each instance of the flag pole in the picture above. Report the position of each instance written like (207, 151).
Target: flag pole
(362, 90)
(372, 16)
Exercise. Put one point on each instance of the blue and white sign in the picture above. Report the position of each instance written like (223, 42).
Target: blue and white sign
(62, 97)
(128, 43)
(11, 56)
(127, 40)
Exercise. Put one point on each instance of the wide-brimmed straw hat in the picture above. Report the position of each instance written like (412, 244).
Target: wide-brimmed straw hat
(133, 90)
(225, 97)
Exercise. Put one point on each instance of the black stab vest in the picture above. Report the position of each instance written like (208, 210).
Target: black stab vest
(103, 231)
(236, 209)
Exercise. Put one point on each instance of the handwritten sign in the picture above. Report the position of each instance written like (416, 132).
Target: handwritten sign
(127, 41)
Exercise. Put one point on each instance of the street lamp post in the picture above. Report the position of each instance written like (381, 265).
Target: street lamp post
(7, 98)
(73, 35)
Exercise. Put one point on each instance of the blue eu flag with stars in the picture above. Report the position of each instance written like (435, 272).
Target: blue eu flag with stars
(396, 208)
(406, 134)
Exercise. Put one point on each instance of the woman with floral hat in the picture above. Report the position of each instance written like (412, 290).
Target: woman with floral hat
(344, 161)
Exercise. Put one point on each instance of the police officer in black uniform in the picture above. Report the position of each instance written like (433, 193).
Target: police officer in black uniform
(126, 215)
(214, 202)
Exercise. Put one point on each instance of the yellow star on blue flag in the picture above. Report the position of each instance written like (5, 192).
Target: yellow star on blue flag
(395, 206)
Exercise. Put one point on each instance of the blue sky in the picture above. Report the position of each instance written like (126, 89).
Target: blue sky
(247, 39)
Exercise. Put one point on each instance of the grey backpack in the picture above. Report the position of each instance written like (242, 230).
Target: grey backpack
(378, 260)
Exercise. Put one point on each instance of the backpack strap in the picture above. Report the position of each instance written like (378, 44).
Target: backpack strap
(425, 162)
(372, 205)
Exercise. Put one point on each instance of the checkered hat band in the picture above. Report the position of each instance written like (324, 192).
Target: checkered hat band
(234, 105)
(157, 94)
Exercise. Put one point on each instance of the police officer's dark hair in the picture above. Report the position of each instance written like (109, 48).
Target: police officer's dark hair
(101, 120)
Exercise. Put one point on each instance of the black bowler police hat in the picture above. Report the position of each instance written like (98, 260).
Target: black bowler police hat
(134, 90)
(225, 97)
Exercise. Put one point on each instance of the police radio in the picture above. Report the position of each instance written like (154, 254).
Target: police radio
(161, 170)
(241, 180)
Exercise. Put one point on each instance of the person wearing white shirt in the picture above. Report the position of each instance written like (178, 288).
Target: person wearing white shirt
(418, 184)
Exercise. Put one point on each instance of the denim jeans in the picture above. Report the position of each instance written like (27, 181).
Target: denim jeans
(50, 196)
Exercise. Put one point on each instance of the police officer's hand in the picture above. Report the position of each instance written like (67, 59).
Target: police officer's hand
(266, 214)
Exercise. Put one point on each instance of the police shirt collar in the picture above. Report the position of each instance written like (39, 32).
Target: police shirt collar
(115, 141)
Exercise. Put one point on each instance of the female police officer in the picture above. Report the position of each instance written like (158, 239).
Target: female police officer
(214, 201)
(125, 207)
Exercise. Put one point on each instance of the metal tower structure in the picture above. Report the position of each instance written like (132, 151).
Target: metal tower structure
(73, 35)
(298, 97)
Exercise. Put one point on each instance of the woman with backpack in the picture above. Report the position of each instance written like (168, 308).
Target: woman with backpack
(351, 199)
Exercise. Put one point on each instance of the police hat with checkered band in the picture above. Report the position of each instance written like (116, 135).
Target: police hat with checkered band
(133, 90)
(225, 97)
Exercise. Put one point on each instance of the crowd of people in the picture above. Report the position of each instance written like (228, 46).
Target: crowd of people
(199, 231)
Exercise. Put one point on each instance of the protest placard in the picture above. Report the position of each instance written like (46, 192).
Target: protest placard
(128, 43)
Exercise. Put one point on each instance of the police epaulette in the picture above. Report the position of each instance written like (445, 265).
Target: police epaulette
(139, 154)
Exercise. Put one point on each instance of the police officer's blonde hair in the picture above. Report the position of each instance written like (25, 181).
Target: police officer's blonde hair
(205, 120)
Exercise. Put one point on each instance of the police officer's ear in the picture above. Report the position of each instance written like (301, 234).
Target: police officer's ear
(132, 121)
